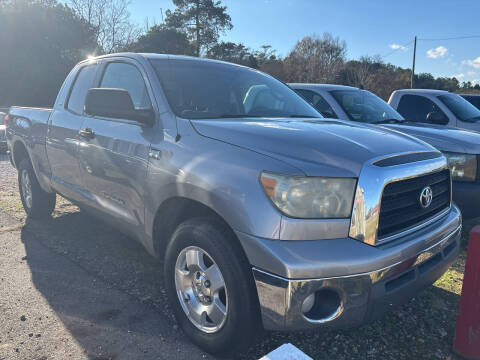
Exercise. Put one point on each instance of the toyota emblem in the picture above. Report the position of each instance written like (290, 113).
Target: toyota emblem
(426, 197)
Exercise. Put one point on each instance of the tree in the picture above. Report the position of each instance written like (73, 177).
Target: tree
(229, 51)
(316, 59)
(160, 39)
(359, 72)
(111, 21)
(40, 45)
(202, 20)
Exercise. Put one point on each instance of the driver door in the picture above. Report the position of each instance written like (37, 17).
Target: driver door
(114, 153)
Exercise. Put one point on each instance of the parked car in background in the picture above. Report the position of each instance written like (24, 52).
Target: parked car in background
(262, 211)
(474, 99)
(436, 107)
(3, 138)
(461, 147)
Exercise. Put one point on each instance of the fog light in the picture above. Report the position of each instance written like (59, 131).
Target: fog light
(308, 303)
(322, 306)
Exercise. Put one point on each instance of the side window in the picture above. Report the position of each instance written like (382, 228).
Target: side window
(128, 77)
(318, 102)
(82, 84)
(416, 108)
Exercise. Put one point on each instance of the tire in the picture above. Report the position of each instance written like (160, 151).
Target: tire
(37, 203)
(241, 324)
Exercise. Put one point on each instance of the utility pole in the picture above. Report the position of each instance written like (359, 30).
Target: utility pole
(412, 81)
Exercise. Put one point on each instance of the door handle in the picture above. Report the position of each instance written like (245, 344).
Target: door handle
(87, 133)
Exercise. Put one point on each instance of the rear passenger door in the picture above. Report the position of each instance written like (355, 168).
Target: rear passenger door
(114, 158)
(66, 121)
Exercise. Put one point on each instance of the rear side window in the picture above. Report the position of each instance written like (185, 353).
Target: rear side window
(126, 76)
(416, 108)
(318, 102)
(82, 84)
(474, 100)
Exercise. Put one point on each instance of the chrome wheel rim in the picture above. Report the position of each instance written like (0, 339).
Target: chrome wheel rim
(201, 289)
(26, 188)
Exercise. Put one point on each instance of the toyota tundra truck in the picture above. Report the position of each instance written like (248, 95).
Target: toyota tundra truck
(263, 212)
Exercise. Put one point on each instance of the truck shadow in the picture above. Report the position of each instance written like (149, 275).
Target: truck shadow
(105, 288)
(109, 294)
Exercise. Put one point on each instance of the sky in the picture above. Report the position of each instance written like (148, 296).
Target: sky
(369, 27)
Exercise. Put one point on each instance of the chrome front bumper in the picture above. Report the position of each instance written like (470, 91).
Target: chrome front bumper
(363, 295)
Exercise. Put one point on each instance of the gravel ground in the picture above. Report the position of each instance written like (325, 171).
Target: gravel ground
(89, 292)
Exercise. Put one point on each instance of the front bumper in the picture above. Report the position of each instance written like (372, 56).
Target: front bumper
(467, 196)
(365, 289)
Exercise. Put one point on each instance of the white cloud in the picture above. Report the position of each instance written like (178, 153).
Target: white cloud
(397, 47)
(459, 76)
(473, 63)
(471, 73)
(438, 52)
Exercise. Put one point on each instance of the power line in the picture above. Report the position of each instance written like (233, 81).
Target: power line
(451, 38)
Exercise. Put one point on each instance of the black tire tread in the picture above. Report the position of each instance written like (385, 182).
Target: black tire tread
(230, 258)
(43, 203)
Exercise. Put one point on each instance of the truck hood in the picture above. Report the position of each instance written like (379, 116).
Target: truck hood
(318, 147)
(443, 138)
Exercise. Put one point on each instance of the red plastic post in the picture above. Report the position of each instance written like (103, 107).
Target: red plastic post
(467, 334)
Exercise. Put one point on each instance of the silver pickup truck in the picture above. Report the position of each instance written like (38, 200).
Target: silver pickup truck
(263, 212)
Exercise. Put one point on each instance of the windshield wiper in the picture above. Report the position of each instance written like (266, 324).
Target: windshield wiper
(390, 121)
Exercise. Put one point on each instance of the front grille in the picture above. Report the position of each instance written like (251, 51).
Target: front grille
(400, 208)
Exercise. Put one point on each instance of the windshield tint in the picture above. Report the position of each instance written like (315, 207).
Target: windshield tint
(460, 107)
(363, 106)
(205, 90)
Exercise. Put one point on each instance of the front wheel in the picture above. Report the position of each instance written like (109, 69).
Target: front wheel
(36, 202)
(210, 287)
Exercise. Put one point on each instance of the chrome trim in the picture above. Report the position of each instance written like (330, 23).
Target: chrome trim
(368, 195)
(281, 298)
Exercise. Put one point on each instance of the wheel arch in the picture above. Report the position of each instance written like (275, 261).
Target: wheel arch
(175, 210)
(19, 152)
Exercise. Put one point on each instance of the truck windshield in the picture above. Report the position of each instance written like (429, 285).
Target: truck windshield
(209, 90)
(363, 106)
(460, 107)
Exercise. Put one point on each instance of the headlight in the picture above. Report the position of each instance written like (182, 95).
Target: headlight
(310, 197)
(462, 166)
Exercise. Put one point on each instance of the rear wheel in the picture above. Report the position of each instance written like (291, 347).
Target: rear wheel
(36, 202)
(210, 287)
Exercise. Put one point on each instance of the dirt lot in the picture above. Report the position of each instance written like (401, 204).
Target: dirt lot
(74, 288)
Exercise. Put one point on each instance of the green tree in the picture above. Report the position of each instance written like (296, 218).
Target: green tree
(40, 43)
(202, 20)
(163, 40)
(229, 51)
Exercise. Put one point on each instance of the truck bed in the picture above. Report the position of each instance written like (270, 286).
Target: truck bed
(28, 127)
